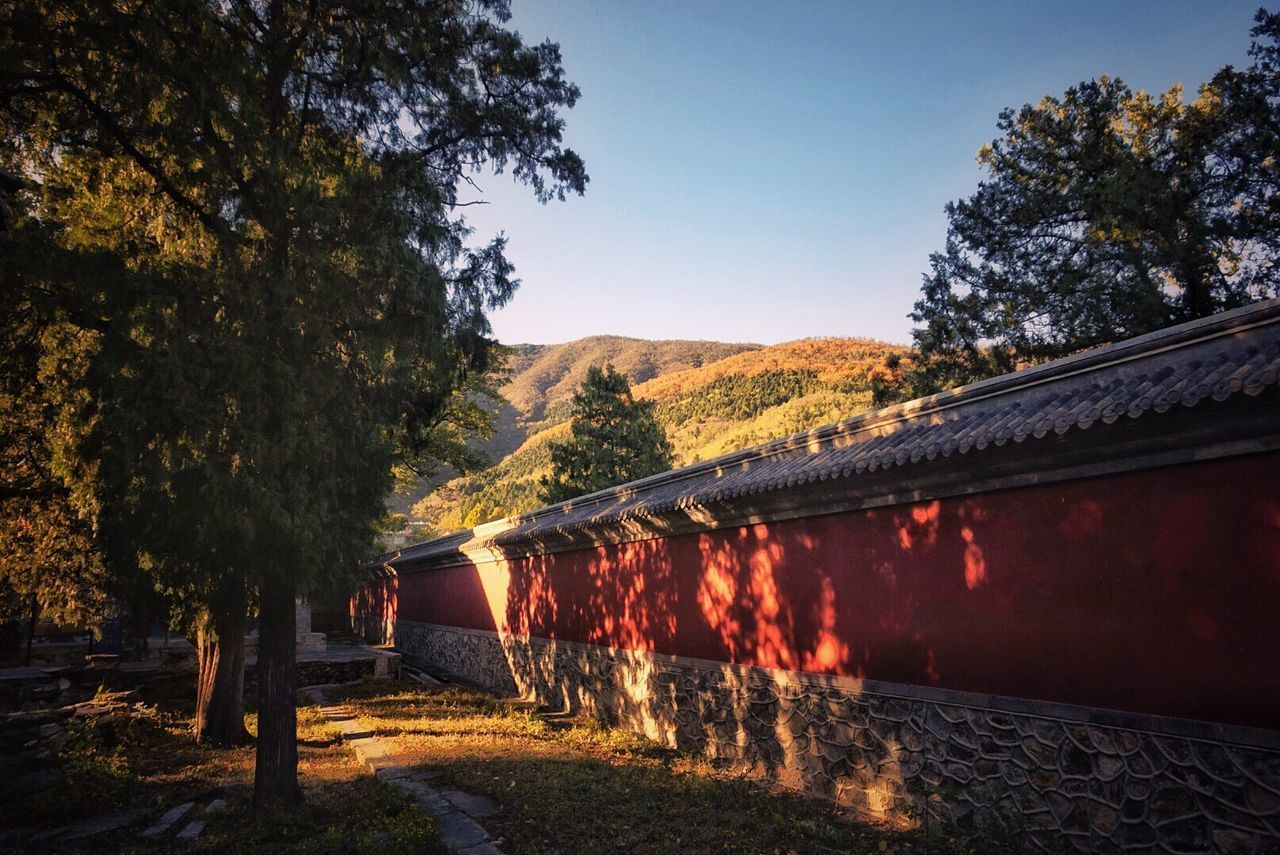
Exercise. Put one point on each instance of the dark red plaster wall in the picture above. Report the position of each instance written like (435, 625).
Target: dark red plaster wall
(1154, 592)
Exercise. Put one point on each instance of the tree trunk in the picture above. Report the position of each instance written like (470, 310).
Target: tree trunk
(31, 628)
(275, 777)
(220, 679)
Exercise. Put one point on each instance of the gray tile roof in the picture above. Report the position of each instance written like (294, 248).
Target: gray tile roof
(1232, 354)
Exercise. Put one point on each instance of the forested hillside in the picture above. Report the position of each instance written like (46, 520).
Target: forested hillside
(540, 379)
(708, 408)
(543, 375)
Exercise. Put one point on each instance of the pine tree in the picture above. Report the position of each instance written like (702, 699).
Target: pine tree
(49, 564)
(1108, 213)
(614, 439)
(297, 302)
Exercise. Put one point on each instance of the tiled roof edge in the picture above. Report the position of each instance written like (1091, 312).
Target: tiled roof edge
(1096, 359)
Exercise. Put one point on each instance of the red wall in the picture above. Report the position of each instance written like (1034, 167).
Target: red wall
(1155, 592)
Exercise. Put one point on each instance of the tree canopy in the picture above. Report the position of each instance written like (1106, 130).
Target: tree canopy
(47, 553)
(1108, 213)
(287, 301)
(614, 438)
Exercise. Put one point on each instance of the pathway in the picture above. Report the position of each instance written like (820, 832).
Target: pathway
(455, 813)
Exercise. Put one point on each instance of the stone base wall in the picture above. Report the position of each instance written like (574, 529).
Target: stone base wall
(320, 672)
(1049, 777)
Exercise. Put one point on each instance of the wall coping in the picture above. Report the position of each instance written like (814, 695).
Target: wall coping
(1191, 392)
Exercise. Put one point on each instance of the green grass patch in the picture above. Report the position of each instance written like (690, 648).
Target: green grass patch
(363, 815)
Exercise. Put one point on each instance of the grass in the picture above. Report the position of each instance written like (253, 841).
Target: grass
(574, 786)
(563, 785)
(148, 759)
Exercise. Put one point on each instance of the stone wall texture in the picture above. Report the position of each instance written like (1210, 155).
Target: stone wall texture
(1049, 777)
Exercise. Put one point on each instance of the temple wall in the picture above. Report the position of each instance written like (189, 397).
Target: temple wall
(1039, 776)
(1092, 658)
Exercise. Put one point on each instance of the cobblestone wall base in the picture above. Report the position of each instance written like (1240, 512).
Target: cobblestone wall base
(1051, 777)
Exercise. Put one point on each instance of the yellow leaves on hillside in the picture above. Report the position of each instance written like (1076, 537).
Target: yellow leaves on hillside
(834, 360)
(543, 376)
(697, 442)
(559, 431)
(844, 373)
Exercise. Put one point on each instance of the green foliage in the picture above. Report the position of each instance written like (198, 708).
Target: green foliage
(288, 304)
(788, 418)
(298, 309)
(739, 396)
(614, 439)
(451, 439)
(507, 488)
(1108, 213)
(97, 761)
(46, 545)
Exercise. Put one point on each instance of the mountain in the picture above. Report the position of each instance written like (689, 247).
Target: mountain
(711, 399)
(541, 379)
(544, 375)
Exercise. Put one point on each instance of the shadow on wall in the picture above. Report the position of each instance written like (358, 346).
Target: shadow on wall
(373, 609)
(1106, 593)
(1103, 593)
(901, 759)
(821, 741)
(809, 595)
(754, 595)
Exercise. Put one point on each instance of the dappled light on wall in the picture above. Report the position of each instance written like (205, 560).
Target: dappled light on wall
(983, 593)
(773, 631)
(918, 527)
(975, 565)
(631, 601)
(829, 653)
(718, 594)
(755, 617)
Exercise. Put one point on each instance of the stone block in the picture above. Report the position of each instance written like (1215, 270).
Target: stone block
(165, 822)
(311, 642)
(193, 830)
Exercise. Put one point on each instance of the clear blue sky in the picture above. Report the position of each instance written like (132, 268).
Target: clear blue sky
(770, 171)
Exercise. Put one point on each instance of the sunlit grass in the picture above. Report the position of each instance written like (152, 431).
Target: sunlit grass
(314, 728)
(572, 785)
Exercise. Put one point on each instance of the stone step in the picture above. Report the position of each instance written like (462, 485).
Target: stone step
(193, 831)
(165, 822)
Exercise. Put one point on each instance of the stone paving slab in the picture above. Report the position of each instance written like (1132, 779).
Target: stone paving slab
(459, 831)
(419, 675)
(476, 806)
(193, 830)
(23, 673)
(92, 826)
(455, 812)
(165, 822)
